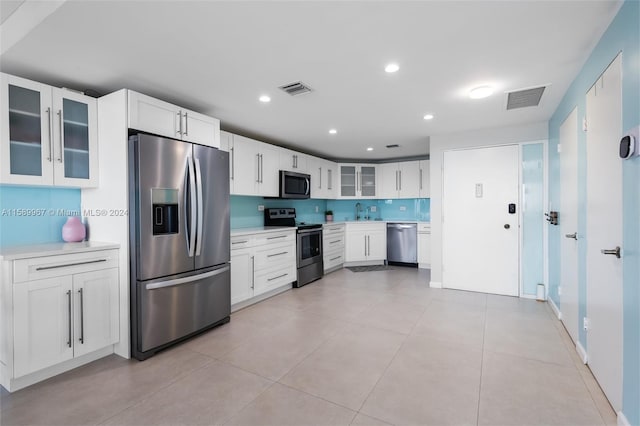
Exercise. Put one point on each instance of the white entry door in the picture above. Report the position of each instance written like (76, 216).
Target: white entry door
(480, 238)
(568, 219)
(604, 232)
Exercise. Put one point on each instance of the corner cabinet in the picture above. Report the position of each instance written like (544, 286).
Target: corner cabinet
(162, 118)
(48, 136)
(59, 312)
(358, 181)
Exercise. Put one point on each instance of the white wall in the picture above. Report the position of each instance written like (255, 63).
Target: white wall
(475, 139)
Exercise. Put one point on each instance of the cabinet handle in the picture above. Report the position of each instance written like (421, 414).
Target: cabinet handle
(69, 303)
(61, 156)
(279, 236)
(396, 180)
(239, 242)
(277, 254)
(365, 245)
(368, 245)
(320, 174)
(333, 242)
(275, 278)
(81, 316)
(233, 160)
(253, 272)
(186, 124)
(329, 184)
(400, 174)
(421, 179)
(261, 168)
(44, 268)
(335, 258)
(258, 169)
(50, 121)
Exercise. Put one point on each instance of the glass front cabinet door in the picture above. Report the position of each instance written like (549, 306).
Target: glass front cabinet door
(48, 136)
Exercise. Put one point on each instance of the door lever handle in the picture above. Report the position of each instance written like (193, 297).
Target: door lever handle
(615, 252)
(574, 236)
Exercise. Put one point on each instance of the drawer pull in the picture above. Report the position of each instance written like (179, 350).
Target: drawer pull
(239, 242)
(275, 278)
(277, 254)
(43, 268)
(333, 242)
(279, 236)
(335, 258)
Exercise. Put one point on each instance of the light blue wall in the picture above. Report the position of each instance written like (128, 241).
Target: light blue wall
(623, 35)
(405, 209)
(54, 204)
(532, 217)
(245, 214)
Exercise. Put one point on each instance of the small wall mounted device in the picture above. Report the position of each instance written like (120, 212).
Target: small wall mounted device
(628, 147)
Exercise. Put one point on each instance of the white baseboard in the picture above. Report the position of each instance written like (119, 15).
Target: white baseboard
(622, 420)
(528, 296)
(435, 284)
(555, 308)
(424, 265)
(581, 352)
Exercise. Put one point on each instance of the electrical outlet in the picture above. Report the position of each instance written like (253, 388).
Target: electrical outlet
(403, 208)
(559, 291)
(317, 209)
(586, 324)
(374, 209)
(260, 208)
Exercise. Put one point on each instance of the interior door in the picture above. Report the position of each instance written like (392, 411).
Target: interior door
(604, 232)
(480, 220)
(569, 224)
(212, 241)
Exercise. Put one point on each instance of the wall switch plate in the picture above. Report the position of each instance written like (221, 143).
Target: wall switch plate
(586, 324)
(374, 209)
(260, 208)
(403, 208)
(317, 209)
(559, 148)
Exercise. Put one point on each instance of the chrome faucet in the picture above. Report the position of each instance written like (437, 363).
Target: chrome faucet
(367, 216)
(358, 210)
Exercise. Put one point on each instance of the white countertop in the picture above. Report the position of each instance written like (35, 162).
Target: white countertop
(53, 249)
(341, 222)
(261, 230)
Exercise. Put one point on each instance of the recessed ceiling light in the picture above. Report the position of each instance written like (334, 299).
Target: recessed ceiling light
(264, 98)
(369, 149)
(428, 117)
(333, 131)
(481, 92)
(391, 68)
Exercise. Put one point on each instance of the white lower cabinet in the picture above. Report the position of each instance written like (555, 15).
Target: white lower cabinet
(57, 309)
(333, 246)
(424, 245)
(365, 242)
(261, 262)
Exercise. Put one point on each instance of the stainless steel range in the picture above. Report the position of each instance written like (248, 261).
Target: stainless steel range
(309, 243)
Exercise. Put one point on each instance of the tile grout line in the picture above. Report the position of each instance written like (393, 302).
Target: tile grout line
(484, 332)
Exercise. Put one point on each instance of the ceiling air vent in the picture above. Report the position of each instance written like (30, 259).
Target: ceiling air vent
(395, 145)
(297, 88)
(524, 98)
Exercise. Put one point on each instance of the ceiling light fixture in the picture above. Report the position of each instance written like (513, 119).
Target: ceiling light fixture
(390, 68)
(428, 117)
(369, 149)
(264, 99)
(481, 92)
(333, 131)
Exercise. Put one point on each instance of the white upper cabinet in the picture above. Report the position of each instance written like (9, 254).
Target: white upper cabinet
(293, 161)
(152, 115)
(323, 178)
(399, 180)
(425, 180)
(358, 181)
(253, 167)
(48, 136)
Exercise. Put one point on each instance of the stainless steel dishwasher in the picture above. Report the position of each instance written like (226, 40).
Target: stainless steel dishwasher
(402, 243)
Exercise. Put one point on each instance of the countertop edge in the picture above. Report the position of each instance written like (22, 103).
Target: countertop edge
(53, 249)
(261, 230)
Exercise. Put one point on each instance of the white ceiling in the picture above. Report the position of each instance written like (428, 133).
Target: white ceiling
(218, 57)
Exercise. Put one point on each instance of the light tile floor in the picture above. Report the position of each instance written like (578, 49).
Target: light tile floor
(368, 348)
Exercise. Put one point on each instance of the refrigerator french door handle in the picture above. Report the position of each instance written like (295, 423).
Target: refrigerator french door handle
(200, 202)
(186, 280)
(190, 233)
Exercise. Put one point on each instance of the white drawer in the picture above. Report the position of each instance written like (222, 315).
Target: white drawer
(331, 242)
(38, 268)
(273, 278)
(331, 260)
(276, 254)
(242, 241)
(333, 229)
(424, 227)
(275, 237)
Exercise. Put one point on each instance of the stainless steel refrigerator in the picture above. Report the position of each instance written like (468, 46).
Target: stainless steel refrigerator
(179, 241)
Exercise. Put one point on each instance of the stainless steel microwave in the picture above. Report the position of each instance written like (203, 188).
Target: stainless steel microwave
(294, 185)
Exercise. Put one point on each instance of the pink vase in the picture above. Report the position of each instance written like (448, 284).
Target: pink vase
(73, 230)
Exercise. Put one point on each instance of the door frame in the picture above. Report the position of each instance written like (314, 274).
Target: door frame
(545, 183)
